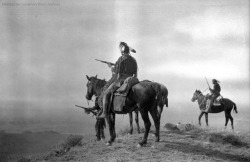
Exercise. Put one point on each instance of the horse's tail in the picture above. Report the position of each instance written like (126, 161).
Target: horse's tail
(164, 95)
(166, 101)
(161, 93)
(235, 107)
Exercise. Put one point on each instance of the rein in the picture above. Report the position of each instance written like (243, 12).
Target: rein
(198, 96)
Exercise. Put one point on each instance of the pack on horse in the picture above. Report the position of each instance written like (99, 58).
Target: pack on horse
(95, 87)
(225, 105)
(146, 96)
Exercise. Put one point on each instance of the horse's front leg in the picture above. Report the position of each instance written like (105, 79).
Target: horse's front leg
(111, 123)
(97, 130)
(102, 126)
(206, 117)
(131, 123)
(201, 114)
(137, 121)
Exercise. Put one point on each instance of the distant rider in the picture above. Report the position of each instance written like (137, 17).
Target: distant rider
(215, 92)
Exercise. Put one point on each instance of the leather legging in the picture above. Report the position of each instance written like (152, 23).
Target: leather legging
(107, 95)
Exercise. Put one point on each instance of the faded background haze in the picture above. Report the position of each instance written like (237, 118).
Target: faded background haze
(47, 47)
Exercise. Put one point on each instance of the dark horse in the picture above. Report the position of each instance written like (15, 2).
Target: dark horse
(146, 96)
(226, 105)
(97, 89)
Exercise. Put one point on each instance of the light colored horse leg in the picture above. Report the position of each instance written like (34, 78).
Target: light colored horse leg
(232, 121)
(201, 114)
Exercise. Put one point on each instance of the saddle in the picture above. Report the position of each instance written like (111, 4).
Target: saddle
(120, 94)
(217, 101)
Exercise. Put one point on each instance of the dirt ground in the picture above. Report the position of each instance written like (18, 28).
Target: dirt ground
(174, 146)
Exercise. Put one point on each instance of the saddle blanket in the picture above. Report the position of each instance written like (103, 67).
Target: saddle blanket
(217, 101)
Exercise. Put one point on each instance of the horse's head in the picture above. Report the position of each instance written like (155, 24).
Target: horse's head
(90, 87)
(196, 94)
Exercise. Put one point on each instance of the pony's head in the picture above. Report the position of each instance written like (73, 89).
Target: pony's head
(90, 87)
(196, 94)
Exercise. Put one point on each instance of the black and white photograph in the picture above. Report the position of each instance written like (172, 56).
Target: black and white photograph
(124, 80)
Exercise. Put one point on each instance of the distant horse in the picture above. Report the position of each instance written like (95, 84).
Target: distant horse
(226, 105)
(96, 91)
(146, 96)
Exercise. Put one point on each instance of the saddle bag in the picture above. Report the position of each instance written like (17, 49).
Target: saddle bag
(120, 94)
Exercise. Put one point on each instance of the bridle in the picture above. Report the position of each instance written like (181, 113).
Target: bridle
(197, 96)
(91, 93)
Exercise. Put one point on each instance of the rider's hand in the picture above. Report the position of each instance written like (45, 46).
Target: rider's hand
(110, 66)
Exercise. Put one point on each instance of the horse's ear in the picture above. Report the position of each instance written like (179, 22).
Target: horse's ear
(87, 77)
(96, 76)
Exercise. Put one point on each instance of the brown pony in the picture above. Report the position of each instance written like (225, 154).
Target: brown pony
(226, 105)
(145, 96)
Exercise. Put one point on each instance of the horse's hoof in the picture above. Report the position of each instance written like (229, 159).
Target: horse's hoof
(139, 146)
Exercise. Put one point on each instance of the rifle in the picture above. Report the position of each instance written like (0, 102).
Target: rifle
(207, 82)
(106, 62)
(88, 110)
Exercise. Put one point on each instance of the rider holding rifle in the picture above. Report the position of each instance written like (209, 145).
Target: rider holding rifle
(215, 92)
(125, 66)
(110, 64)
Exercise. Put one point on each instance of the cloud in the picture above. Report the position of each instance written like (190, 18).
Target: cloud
(216, 24)
(231, 64)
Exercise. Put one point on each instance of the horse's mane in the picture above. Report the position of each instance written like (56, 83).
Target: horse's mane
(101, 82)
(198, 91)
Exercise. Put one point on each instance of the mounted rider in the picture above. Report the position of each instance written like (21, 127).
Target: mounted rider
(215, 92)
(125, 66)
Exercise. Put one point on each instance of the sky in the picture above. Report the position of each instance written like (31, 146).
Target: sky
(47, 47)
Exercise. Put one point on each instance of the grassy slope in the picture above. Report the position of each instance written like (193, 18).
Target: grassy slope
(197, 145)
